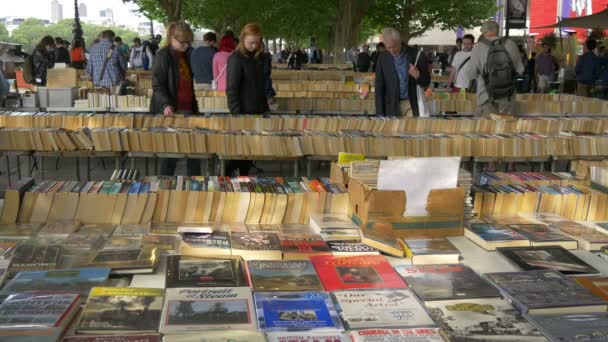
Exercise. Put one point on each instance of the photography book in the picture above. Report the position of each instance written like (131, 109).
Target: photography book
(285, 275)
(185, 271)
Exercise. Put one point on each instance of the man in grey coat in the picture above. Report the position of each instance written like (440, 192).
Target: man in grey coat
(399, 71)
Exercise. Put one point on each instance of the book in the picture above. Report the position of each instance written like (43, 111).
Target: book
(356, 272)
(256, 246)
(185, 271)
(383, 242)
(321, 222)
(547, 258)
(31, 257)
(286, 275)
(37, 316)
(59, 228)
(350, 248)
(212, 308)
(542, 235)
(483, 319)
(131, 230)
(127, 261)
(217, 243)
(166, 244)
(490, 236)
(588, 326)
(431, 251)
(4, 266)
(197, 229)
(86, 241)
(114, 310)
(540, 292)
(296, 311)
(597, 285)
(114, 338)
(217, 336)
(588, 238)
(380, 309)
(397, 335)
(122, 243)
(79, 280)
(341, 235)
(299, 246)
(446, 282)
(307, 337)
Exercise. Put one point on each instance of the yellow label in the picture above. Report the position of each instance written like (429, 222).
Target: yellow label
(125, 291)
(346, 158)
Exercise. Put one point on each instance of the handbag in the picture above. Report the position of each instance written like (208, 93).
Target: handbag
(214, 81)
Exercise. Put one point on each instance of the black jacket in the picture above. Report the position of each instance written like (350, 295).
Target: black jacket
(42, 61)
(165, 77)
(246, 83)
(62, 55)
(364, 61)
(387, 82)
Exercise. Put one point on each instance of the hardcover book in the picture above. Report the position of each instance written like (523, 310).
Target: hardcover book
(350, 248)
(431, 251)
(31, 257)
(287, 275)
(115, 310)
(541, 235)
(131, 230)
(307, 337)
(79, 280)
(184, 271)
(545, 292)
(217, 243)
(127, 261)
(217, 336)
(298, 247)
(380, 309)
(114, 338)
(597, 285)
(383, 242)
(83, 241)
(256, 246)
(572, 326)
(397, 335)
(212, 308)
(547, 258)
(490, 236)
(358, 272)
(122, 243)
(296, 311)
(446, 282)
(588, 238)
(484, 319)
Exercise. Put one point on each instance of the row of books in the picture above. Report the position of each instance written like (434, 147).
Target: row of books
(100, 100)
(555, 108)
(299, 104)
(313, 122)
(296, 144)
(251, 200)
(291, 94)
(532, 178)
(573, 202)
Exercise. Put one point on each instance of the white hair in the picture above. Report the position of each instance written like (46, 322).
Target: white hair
(391, 34)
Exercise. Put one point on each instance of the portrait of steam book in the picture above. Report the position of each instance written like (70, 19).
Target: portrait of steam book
(285, 275)
(184, 271)
(212, 308)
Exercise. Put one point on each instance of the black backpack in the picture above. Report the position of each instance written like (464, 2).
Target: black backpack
(499, 71)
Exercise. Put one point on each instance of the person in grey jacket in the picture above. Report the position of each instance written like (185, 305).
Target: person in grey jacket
(399, 70)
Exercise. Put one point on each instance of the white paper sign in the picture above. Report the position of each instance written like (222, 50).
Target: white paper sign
(417, 177)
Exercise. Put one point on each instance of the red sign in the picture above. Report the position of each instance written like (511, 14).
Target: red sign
(546, 12)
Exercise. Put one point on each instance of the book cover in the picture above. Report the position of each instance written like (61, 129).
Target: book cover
(539, 233)
(217, 336)
(531, 290)
(37, 310)
(572, 326)
(319, 222)
(131, 230)
(446, 282)
(397, 335)
(296, 311)
(212, 308)
(356, 272)
(307, 337)
(101, 229)
(350, 248)
(380, 309)
(217, 240)
(597, 285)
(126, 309)
(484, 319)
(29, 257)
(547, 258)
(286, 275)
(83, 241)
(494, 233)
(184, 271)
(78, 280)
(299, 244)
(114, 338)
(122, 243)
(383, 242)
(165, 243)
(121, 261)
(429, 246)
(255, 241)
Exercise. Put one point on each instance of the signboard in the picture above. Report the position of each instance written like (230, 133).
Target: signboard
(516, 13)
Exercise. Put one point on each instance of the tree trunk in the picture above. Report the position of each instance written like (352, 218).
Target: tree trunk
(172, 8)
(350, 14)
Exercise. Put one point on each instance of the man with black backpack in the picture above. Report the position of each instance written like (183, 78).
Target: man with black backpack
(495, 63)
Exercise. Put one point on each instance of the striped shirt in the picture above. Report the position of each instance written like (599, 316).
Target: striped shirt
(115, 70)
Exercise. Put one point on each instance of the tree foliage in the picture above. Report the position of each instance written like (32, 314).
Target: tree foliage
(4, 36)
(414, 17)
(29, 33)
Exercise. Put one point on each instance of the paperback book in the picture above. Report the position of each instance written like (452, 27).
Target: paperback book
(286, 275)
(358, 272)
(212, 308)
(114, 310)
(381, 309)
(431, 251)
(184, 271)
(542, 235)
(547, 258)
(296, 311)
(490, 236)
(446, 282)
(539, 292)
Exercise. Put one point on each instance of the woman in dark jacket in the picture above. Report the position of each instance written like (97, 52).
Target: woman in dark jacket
(246, 86)
(173, 86)
(43, 58)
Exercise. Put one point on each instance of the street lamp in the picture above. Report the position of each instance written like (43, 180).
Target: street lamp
(76, 28)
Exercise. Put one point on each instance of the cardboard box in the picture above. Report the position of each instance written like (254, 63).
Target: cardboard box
(62, 78)
(337, 174)
(383, 211)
